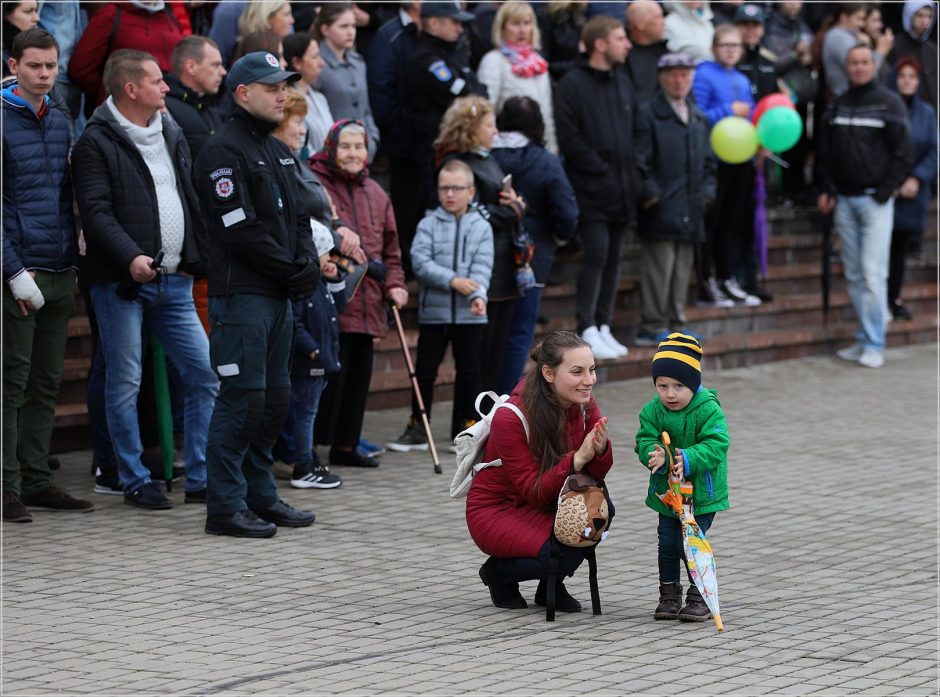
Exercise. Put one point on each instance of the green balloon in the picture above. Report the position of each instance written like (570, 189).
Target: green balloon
(779, 129)
(734, 140)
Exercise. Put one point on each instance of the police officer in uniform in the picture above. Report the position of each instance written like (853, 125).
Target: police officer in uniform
(261, 255)
(758, 63)
(439, 72)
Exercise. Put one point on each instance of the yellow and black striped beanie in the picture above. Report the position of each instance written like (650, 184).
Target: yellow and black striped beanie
(679, 357)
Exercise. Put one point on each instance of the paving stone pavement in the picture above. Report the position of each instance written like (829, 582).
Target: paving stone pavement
(827, 569)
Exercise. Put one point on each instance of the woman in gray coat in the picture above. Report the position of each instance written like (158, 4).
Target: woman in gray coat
(343, 79)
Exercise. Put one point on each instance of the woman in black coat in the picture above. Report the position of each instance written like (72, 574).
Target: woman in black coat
(552, 216)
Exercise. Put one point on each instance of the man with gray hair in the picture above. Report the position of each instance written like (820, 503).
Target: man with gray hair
(133, 181)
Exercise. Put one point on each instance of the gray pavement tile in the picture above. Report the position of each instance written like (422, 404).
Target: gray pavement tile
(209, 614)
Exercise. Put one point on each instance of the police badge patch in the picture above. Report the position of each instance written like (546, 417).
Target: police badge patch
(440, 70)
(223, 183)
(224, 188)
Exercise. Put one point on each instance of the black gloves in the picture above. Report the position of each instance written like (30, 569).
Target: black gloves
(304, 282)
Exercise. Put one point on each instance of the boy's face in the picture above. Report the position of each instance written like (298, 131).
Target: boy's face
(673, 393)
(455, 191)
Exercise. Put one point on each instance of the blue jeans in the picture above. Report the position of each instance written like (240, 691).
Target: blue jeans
(166, 308)
(670, 545)
(296, 442)
(864, 228)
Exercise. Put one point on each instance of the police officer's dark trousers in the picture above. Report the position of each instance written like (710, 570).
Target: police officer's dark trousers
(249, 348)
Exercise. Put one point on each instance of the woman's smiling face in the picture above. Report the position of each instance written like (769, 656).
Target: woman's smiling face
(573, 379)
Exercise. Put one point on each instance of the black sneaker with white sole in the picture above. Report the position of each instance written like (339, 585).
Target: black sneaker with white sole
(316, 477)
(412, 438)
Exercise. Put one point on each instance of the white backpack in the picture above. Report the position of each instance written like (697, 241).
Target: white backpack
(471, 443)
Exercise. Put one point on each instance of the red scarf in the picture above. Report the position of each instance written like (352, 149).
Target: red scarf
(525, 60)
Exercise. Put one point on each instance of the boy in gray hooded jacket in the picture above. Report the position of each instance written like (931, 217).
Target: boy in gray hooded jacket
(452, 258)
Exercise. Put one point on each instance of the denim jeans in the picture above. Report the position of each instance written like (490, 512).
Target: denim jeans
(305, 396)
(166, 308)
(864, 228)
(670, 544)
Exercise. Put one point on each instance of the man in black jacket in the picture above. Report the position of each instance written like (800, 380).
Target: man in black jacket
(758, 63)
(594, 123)
(133, 180)
(261, 255)
(647, 28)
(194, 87)
(864, 155)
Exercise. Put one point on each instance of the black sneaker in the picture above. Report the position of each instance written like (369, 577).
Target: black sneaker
(317, 477)
(710, 295)
(900, 311)
(413, 438)
(14, 511)
(108, 483)
(351, 458)
(148, 496)
(55, 499)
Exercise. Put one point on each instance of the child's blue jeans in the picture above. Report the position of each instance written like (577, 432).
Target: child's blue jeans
(670, 545)
(295, 444)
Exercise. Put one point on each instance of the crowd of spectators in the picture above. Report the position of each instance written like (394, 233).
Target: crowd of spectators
(573, 122)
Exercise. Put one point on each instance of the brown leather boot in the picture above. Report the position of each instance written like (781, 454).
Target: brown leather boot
(670, 598)
(695, 609)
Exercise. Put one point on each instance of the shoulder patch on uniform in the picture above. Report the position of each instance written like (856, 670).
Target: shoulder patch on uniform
(224, 188)
(286, 160)
(440, 70)
(221, 172)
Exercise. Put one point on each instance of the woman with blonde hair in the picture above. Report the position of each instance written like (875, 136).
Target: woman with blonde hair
(274, 16)
(514, 67)
(466, 134)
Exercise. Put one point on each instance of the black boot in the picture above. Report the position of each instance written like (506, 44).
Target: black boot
(670, 598)
(695, 609)
(504, 595)
(563, 600)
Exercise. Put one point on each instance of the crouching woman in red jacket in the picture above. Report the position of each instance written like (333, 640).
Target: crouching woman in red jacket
(511, 509)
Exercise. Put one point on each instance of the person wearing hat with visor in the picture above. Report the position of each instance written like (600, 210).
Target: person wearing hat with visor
(757, 63)
(261, 256)
(438, 73)
(691, 414)
(677, 183)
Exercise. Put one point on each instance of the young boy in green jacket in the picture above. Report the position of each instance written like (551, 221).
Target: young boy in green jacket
(692, 416)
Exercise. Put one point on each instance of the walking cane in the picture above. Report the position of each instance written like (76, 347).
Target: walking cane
(414, 386)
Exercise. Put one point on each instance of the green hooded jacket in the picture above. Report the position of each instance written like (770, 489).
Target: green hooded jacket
(701, 432)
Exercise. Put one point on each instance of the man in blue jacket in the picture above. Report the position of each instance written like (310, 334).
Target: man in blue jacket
(39, 253)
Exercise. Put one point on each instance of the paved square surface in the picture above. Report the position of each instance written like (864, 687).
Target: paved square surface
(827, 570)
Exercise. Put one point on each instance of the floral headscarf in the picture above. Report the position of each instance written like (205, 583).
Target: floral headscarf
(330, 146)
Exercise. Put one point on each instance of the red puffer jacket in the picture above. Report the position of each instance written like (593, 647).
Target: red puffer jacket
(366, 208)
(157, 33)
(510, 510)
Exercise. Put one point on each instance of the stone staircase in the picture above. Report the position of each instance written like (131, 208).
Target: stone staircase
(791, 326)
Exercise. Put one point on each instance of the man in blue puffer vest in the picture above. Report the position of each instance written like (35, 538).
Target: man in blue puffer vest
(39, 250)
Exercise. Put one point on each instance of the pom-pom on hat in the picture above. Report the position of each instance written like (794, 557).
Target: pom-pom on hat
(679, 357)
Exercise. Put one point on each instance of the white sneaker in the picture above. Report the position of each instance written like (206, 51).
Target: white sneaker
(851, 353)
(871, 358)
(602, 352)
(609, 339)
(738, 294)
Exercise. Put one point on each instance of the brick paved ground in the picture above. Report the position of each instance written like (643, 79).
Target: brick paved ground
(827, 564)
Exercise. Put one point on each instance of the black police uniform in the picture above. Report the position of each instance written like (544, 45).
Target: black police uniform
(260, 254)
(760, 66)
(439, 72)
